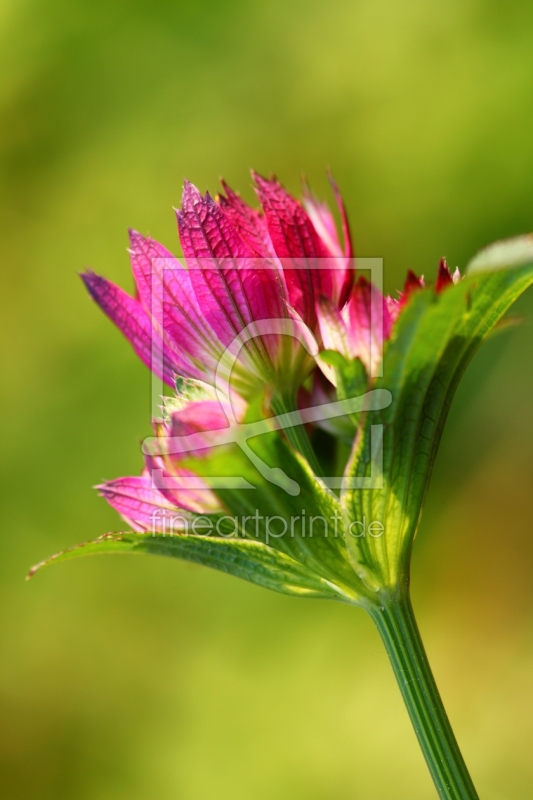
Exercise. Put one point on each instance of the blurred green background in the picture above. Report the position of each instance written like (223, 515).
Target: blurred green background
(138, 678)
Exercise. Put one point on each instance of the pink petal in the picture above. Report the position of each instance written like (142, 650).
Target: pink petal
(348, 245)
(349, 275)
(198, 417)
(205, 232)
(369, 323)
(332, 327)
(324, 223)
(444, 277)
(412, 284)
(133, 321)
(394, 307)
(180, 486)
(201, 419)
(249, 223)
(166, 292)
(298, 245)
(230, 287)
(140, 504)
(143, 252)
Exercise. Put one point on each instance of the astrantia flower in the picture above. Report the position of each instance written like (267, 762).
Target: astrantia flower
(249, 286)
(235, 477)
(260, 292)
(243, 266)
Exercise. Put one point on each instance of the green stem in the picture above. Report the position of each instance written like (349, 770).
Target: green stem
(396, 623)
(296, 434)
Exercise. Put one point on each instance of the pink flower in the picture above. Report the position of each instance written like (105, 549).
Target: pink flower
(260, 293)
(248, 291)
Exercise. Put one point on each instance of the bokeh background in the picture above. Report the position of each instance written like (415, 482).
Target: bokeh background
(133, 678)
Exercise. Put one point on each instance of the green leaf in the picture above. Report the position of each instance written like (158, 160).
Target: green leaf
(306, 526)
(433, 342)
(350, 375)
(252, 561)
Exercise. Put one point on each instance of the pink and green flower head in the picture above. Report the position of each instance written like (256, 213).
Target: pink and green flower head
(267, 291)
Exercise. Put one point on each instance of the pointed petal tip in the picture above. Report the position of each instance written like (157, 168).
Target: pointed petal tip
(444, 277)
(412, 284)
(134, 236)
(261, 181)
(332, 181)
(106, 488)
(256, 177)
(138, 242)
(91, 280)
(230, 193)
(412, 281)
(361, 282)
(348, 241)
(190, 195)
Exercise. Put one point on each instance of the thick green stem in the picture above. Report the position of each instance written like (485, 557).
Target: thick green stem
(398, 629)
